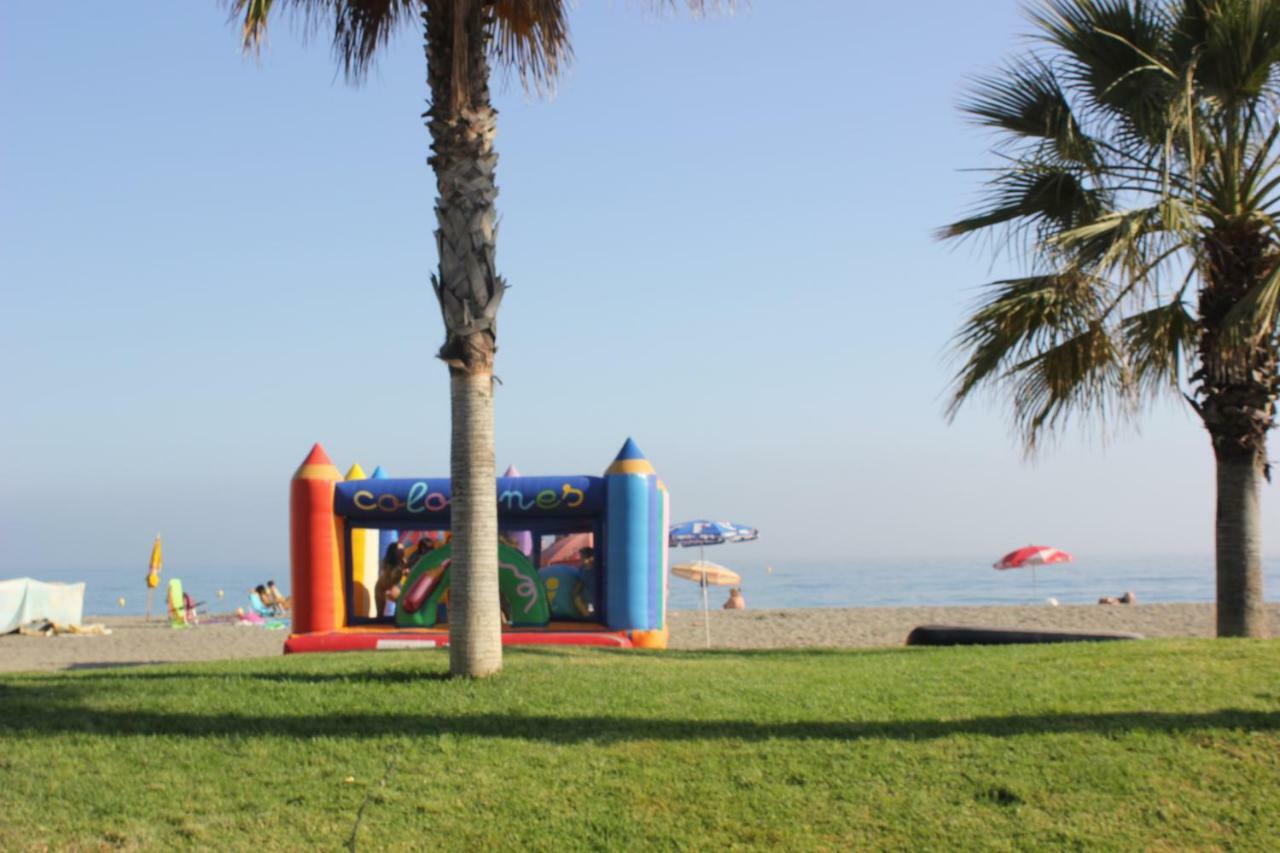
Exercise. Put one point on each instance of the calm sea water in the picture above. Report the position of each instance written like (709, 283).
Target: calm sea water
(906, 582)
(844, 583)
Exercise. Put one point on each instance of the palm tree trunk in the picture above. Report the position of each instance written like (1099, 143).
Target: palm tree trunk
(1238, 541)
(462, 124)
(475, 617)
(1238, 385)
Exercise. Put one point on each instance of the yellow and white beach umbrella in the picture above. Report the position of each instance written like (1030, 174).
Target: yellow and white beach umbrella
(706, 573)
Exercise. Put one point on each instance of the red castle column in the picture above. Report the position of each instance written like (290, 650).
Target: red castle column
(314, 551)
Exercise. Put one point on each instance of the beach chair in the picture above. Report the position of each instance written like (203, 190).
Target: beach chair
(191, 609)
(177, 605)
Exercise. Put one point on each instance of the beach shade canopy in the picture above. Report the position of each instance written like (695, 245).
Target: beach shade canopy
(565, 551)
(702, 532)
(1032, 556)
(706, 572)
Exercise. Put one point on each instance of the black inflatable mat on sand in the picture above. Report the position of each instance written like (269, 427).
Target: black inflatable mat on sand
(960, 635)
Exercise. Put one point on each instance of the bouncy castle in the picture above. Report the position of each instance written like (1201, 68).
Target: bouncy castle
(340, 529)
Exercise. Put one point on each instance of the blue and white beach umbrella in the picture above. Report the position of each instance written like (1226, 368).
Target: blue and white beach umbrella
(701, 533)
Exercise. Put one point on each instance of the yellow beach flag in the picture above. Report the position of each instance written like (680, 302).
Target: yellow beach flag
(157, 561)
(153, 572)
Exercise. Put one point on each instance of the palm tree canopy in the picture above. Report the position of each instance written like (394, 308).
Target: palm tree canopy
(1139, 177)
(529, 36)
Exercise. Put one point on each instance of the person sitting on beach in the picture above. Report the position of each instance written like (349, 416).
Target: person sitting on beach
(264, 595)
(277, 599)
(736, 601)
(261, 602)
(189, 606)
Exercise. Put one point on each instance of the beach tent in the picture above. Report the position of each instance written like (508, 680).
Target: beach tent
(25, 600)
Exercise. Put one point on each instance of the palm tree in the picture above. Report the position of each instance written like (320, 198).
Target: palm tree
(461, 36)
(1139, 175)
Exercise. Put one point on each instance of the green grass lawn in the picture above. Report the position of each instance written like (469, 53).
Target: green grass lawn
(1151, 745)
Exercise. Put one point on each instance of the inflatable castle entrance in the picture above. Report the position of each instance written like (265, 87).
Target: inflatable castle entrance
(617, 596)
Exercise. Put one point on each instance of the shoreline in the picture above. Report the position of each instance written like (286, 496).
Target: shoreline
(135, 641)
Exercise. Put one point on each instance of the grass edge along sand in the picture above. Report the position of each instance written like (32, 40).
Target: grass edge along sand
(1171, 743)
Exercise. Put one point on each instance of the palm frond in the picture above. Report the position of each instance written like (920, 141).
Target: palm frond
(1017, 318)
(1132, 242)
(1236, 44)
(1260, 177)
(1254, 316)
(359, 28)
(1048, 198)
(1117, 51)
(1084, 374)
(1159, 343)
(1026, 98)
(532, 37)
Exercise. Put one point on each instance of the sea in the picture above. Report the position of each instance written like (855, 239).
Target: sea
(854, 582)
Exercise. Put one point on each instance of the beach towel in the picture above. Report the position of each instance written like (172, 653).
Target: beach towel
(249, 617)
(45, 628)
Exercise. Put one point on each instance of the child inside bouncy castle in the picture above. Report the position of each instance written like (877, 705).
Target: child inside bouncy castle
(394, 570)
(573, 590)
(590, 592)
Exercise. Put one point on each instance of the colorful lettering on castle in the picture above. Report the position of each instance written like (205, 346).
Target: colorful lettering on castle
(547, 499)
(422, 499)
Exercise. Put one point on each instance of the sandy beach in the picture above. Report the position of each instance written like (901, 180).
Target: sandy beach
(889, 626)
(135, 641)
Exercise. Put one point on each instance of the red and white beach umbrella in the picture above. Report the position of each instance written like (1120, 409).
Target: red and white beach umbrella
(1032, 556)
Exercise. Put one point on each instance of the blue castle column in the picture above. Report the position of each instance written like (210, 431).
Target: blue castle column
(635, 548)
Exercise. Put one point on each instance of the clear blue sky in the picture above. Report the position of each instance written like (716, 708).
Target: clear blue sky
(718, 235)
